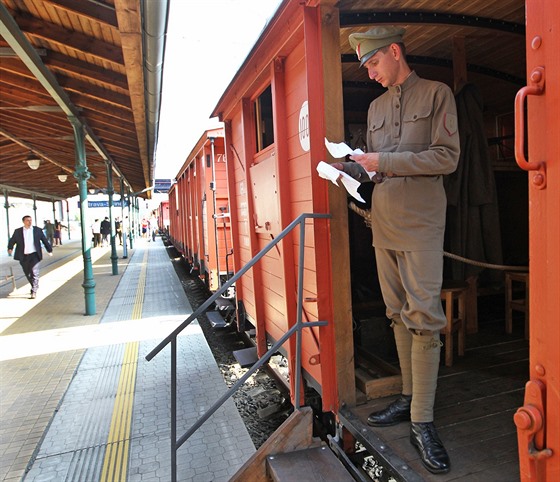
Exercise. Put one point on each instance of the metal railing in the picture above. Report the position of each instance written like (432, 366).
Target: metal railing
(297, 328)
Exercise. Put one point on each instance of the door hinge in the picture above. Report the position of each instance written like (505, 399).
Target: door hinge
(530, 422)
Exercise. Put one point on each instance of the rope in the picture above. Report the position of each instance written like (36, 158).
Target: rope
(366, 214)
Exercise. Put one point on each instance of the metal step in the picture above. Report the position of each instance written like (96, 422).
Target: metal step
(216, 319)
(224, 304)
(246, 357)
(309, 465)
(392, 464)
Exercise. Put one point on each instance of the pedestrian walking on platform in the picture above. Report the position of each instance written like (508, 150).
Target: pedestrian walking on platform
(58, 232)
(118, 229)
(49, 231)
(105, 231)
(29, 253)
(96, 231)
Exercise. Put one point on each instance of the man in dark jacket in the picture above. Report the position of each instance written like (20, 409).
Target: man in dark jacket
(105, 231)
(29, 253)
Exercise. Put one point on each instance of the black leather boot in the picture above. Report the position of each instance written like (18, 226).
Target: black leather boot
(396, 412)
(432, 453)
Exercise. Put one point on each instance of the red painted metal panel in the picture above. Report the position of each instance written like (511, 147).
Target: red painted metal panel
(538, 422)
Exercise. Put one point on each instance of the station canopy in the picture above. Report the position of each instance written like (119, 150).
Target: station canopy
(97, 62)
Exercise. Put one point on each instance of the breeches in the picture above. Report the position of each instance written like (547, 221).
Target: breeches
(411, 286)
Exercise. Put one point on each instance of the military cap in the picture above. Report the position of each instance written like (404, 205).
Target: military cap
(366, 44)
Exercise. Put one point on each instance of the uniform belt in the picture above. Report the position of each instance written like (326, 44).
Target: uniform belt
(391, 175)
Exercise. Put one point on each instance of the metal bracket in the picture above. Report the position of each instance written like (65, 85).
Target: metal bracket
(530, 422)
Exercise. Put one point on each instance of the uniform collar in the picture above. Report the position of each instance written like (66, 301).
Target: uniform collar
(407, 84)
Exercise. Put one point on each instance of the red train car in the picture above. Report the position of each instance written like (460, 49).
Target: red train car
(199, 223)
(301, 83)
(163, 217)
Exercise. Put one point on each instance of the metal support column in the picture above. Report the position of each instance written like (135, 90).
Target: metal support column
(7, 206)
(124, 229)
(131, 220)
(67, 218)
(138, 231)
(110, 192)
(35, 208)
(82, 175)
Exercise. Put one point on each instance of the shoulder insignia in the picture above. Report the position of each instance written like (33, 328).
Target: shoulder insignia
(450, 123)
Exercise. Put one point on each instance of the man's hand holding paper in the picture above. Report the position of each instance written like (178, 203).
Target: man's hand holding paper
(327, 171)
(338, 150)
(369, 161)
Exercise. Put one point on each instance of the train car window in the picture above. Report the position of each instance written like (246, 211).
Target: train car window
(263, 120)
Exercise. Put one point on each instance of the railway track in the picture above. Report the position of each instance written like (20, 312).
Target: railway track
(262, 402)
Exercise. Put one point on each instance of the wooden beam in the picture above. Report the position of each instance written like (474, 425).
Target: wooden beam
(339, 242)
(58, 62)
(459, 63)
(296, 433)
(95, 11)
(27, 83)
(99, 120)
(130, 27)
(31, 148)
(50, 32)
(123, 145)
(99, 94)
(24, 124)
(14, 100)
(88, 104)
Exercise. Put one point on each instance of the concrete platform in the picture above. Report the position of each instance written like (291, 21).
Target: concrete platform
(79, 401)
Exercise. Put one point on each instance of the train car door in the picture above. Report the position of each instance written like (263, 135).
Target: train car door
(537, 149)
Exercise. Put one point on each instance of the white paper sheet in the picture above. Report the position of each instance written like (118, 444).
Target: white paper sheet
(326, 171)
(338, 150)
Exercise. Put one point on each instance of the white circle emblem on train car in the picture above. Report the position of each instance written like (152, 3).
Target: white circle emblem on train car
(304, 127)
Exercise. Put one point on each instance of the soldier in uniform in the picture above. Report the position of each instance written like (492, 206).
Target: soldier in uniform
(412, 143)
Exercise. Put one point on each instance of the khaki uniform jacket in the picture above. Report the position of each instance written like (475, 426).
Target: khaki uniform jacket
(414, 128)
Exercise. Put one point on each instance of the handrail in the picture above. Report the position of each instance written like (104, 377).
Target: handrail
(202, 308)
(297, 328)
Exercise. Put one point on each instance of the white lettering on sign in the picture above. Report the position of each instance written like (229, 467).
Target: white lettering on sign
(304, 127)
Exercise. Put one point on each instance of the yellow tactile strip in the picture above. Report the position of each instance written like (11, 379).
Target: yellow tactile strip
(115, 464)
(31, 388)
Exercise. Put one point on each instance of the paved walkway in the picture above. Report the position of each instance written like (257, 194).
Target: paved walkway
(80, 403)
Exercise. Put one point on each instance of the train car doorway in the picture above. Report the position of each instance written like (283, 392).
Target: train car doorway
(507, 325)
